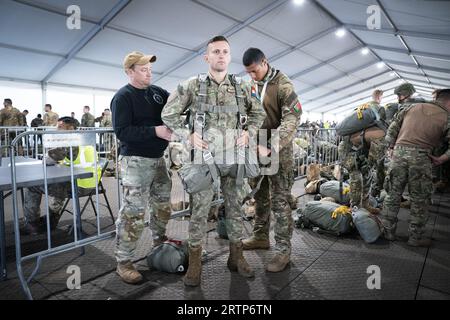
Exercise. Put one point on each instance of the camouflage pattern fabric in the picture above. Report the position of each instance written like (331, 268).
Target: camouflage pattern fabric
(146, 188)
(88, 120)
(50, 119)
(412, 166)
(217, 125)
(273, 196)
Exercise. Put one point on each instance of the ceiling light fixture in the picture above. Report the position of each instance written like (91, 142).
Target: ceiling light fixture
(298, 2)
(340, 32)
(364, 51)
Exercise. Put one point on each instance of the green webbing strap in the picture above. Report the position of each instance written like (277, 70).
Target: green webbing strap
(242, 124)
(205, 107)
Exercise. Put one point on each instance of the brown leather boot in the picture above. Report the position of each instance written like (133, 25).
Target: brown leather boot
(193, 275)
(278, 262)
(252, 243)
(128, 272)
(237, 262)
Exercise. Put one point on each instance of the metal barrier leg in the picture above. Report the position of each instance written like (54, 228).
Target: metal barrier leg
(78, 216)
(3, 273)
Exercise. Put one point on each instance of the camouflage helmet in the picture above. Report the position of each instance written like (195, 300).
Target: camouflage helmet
(405, 89)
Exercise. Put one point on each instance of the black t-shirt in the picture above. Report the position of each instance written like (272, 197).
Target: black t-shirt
(135, 114)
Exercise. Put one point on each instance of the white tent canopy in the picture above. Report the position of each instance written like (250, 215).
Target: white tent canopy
(331, 73)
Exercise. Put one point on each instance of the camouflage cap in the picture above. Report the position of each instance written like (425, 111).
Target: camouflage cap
(405, 89)
(137, 58)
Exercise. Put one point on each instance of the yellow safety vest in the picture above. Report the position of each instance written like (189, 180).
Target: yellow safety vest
(85, 160)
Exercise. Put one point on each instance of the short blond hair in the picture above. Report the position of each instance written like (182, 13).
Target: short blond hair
(377, 93)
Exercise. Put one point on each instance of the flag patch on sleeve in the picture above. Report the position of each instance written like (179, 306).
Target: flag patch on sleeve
(297, 107)
(254, 94)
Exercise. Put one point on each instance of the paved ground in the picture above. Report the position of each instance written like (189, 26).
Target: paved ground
(322, 267)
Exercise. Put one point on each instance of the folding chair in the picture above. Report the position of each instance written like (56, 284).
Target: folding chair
(83, 192)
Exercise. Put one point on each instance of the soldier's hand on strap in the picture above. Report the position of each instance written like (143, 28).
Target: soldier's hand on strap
(197, 141)
(263, 151)
(163, 132)
(437, 161)
(243, 140)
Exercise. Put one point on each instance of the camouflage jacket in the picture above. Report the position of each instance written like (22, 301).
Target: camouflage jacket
(218, 124)
(106, 121)
(395, 126)
(11, 117)
(50, 119)
(281, 105)
(88, 120)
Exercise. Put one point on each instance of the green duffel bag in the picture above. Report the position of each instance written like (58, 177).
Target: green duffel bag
(367, 224)
(328, 216)
(171, 256)
(331, 189)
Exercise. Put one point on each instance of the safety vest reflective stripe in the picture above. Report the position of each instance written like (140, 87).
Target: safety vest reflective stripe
(86, 159)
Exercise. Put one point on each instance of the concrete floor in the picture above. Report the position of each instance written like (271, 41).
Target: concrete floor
(322, 266)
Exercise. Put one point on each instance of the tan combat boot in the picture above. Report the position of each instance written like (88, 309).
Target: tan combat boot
(193, 275)
(252, 243)
(128, 272)
(278, 262)
(419, 242)
(237, 262)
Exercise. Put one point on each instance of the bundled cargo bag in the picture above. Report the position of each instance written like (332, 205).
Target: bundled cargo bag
(327, 216)
(171, 256)
(367, 224)
(331, 189)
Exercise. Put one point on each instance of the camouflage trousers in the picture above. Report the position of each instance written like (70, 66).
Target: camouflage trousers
(377, 155)
(57, 194)
(410, 166)
(201, 204)
(274, 196)
(359, 170)
(146, 189)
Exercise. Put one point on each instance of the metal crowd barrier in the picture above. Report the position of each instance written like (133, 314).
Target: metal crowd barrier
(314, 146)
(55, 139)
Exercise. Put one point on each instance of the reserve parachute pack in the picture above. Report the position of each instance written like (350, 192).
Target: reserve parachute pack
(334, 190)
(171, 256)
(361, 118)
(199, 177)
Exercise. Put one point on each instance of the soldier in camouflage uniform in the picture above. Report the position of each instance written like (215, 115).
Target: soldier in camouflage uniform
(277, 94)
(50, 117)
(137, 122)
(57, 193)
(220, 103)
(415, 131)
(361, 161)
(87, 120)
(9, 117)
